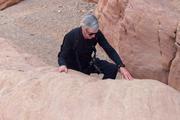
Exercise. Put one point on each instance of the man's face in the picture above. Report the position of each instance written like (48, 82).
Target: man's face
(90, 33)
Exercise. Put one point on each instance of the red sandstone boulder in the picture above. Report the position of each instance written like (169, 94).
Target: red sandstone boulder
(44, 94)
(144, 33)
(6, 3)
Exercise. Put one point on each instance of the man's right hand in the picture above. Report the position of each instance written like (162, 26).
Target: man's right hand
(63, 68)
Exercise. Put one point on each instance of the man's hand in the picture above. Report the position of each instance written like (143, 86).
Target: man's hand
(63, 68)
(126, 75)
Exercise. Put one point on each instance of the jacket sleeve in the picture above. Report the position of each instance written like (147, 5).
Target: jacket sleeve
(64, 50)
(110, 51)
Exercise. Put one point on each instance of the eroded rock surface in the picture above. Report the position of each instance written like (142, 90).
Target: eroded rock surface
(144, 34)
(48, 95)
(174, 75)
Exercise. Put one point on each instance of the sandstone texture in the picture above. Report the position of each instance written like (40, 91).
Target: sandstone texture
(48, 95)
(41, 93)
(6, 3)
(145, 35)
(11, 59)
(174, 75)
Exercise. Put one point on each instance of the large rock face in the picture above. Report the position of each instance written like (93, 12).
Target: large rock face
(47, 95)
(6, 3)
(144, 33)
(174, 75)
(41, 93)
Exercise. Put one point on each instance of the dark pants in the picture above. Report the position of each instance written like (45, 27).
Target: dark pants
(108, 69)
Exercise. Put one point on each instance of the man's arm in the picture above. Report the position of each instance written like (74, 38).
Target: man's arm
(64, 51)
(110, 51)
(113, 55)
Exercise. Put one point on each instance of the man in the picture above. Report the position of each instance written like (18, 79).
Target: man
(79, 46)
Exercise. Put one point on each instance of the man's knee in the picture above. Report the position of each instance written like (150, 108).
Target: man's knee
(111, 71)
(112, 68)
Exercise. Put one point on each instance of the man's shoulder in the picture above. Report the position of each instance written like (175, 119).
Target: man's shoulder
(99, 34)
(74, 31)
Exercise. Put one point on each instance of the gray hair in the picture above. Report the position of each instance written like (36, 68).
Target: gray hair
(89, 21)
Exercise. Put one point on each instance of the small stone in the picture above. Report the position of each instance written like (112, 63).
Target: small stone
(59, 11)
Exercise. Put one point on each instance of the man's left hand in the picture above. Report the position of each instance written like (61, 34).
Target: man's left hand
(126, 75)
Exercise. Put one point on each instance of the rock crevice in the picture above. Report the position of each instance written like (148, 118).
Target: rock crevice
(174, 78)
